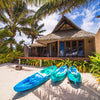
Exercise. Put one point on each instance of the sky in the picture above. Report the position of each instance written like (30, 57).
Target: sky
(84, 17)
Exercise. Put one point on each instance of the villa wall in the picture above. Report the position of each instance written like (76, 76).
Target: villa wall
(97, 41)
(89, 46)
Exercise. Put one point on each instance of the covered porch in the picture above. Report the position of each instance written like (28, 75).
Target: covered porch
(69, 48)
(66, 48)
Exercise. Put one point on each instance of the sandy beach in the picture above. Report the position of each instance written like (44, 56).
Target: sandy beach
(9, 77)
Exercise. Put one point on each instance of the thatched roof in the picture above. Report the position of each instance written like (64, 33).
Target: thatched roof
(71, 34)
(65, 30)
(37, 45)
(64, 21)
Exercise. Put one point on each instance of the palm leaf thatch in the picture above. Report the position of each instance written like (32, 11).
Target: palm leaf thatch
(65, 30)
(37, 45)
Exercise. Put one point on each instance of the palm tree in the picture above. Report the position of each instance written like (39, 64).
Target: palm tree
(49, 6)
(20, 47)
(38, 30)
(63, 6)
(5, 40)
(13, 17)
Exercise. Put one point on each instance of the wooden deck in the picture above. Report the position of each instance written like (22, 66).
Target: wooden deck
(57, 58)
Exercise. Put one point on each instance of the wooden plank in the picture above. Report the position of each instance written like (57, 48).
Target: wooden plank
(84, 48)
(58, 48)
(65, 48)
(77, 46)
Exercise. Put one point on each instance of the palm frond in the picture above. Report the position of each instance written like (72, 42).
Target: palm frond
(8, 41)
(5, 33)
(4, 19)
(63, 6)
(41, 31)
(40, 26)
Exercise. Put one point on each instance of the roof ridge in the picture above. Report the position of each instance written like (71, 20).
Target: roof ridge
(68, 21)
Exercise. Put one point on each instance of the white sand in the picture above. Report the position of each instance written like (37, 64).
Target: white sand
(88, 90)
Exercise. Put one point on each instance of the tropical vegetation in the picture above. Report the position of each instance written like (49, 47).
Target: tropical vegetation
(82, 66)
(9, 57)
(16, 19)
(13, 19)
(38, 29)
(95, 64)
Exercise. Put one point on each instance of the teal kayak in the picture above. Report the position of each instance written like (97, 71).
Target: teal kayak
(59, 74)
(35, 79)
(74, 75)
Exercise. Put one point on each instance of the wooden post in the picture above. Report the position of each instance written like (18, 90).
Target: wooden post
(65, 48)
(19, 61)
(40, 62)
(58, 48)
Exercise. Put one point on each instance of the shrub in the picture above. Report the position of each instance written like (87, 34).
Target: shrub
(95, 63)
(9, 57)
(82, 66)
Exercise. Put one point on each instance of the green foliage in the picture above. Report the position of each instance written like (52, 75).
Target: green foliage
(12, 18)
(5, 39)
(95, 63)
(4, 49)
(63, 6)
(37, 62)
(19, 46)
(50, 62)
(80, 65)
(30, 62)
(9, 57)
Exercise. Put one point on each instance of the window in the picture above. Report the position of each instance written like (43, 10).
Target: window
(68, 48)
(74, 48)
(45, 51)
(80, 51)
(62, 49)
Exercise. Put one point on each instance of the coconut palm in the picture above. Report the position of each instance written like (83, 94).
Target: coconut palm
(5, 39)
(13, 17)
(20, 47)
(61, 6)
(38, 30)
(53, 5)
(50, 6)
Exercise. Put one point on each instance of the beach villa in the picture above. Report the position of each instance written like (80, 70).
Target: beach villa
(66, 40)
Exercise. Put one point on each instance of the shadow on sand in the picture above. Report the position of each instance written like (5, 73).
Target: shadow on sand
(24, 93)
(77, 86)
(58, 91)
(57, 83)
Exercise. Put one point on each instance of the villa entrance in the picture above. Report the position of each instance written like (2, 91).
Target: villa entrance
(52, 49)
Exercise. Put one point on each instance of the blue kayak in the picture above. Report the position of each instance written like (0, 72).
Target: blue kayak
(35, 79)
(59, 74)
(74, 75)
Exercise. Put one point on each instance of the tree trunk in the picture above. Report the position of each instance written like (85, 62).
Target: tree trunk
(11, 47)
(32, 41)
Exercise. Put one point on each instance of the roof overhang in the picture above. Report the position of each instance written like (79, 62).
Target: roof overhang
(37, 45)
